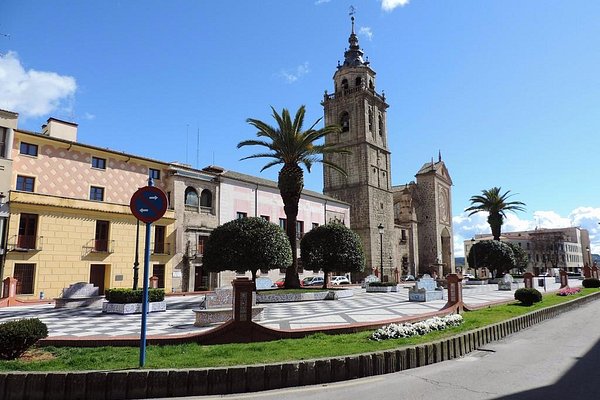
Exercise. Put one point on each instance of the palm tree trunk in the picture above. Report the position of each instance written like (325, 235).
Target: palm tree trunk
(290, 183)
(495, 220)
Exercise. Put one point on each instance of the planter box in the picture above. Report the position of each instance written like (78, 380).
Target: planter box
(132, 308)
(291, 297)
(383, 289)
(339, 294)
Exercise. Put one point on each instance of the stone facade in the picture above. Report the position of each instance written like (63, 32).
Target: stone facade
(416, 218)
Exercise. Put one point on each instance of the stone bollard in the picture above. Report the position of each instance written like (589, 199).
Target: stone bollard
(528, 279)
(564, 280)
(242, 299)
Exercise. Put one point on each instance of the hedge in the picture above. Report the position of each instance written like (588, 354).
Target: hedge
(126, 296)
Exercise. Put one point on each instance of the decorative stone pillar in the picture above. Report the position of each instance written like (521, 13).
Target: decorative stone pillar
(154, 282)
(595, 272)
(564, 280)
(9, 287)
(454, 291)
(242, 299)
(528, 279)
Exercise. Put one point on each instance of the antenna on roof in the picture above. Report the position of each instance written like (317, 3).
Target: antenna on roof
(198, 149)
(187, 135)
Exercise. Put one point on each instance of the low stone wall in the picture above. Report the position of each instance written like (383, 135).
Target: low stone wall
(136, 384)
(289, 297)
(383, 289)
(132, 308)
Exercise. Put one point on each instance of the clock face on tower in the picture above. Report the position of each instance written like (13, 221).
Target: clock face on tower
(443, 205)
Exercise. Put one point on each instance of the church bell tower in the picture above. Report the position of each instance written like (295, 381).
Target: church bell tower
(361, 113)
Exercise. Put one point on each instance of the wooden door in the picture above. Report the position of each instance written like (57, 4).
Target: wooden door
(97, 276)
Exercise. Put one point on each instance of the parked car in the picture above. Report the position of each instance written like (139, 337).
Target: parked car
(370, 279)
(280, 282)
(339, 280)
(407, 278)
(468, 276)
(313, 281)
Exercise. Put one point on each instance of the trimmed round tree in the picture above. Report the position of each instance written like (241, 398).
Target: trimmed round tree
(496, 256)
(332, 248)
(520, 256)
(247, 244)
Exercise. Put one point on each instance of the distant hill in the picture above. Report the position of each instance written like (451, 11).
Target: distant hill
(459, 261)
(596, 258)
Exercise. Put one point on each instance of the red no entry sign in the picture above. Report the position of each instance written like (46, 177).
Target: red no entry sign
(148, 204)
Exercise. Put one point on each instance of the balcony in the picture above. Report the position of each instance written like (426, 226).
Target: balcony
(100, 246)
(160, 248)
(25, 243)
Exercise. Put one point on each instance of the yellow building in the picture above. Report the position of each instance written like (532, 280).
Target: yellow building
(69, 215)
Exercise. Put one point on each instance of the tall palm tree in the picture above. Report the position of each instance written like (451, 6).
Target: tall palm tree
(289, 145)
(496, 205)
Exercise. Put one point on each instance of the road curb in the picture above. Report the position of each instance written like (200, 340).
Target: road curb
(136, 384)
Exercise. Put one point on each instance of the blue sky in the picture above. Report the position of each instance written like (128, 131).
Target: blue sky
(508, 91)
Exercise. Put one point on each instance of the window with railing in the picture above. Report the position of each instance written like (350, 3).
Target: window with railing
(24, 274)
(158, 270)
(26, 238)
(101, 238)
(159, 240)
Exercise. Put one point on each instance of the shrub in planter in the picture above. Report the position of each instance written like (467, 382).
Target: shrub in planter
(17, 336)
(382, 284)
(528, 296)
(591, 283)
(127, 296)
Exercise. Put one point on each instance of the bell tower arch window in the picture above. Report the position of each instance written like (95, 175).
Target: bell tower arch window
(345, 122)
(370, 120)
(345, 84)
(371, 84)
(358, 82)
(380, 122)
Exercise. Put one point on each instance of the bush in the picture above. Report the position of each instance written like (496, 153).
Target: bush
(528, 296)
(19, 335)
(126, 296)
(382, 284)
(591, 283)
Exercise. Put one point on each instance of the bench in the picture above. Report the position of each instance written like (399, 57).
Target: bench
(80, 294)
(218, 307)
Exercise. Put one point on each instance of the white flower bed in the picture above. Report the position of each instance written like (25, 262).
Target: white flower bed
(396, 331)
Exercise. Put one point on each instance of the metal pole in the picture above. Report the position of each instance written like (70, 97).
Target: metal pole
(145, 294)
(381, 253)
(136, 262)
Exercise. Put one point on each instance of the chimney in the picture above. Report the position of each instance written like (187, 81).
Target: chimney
(59, 129)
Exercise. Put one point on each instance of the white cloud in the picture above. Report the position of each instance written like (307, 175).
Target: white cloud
(466, 227)
(32, 93)
(89, 116)
(319, 2)
(366, 31)
(389, 5)
(292, 76)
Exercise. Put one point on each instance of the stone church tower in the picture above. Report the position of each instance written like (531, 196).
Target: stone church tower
(361, 112)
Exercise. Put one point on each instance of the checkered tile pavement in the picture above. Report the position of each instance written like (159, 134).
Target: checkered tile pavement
(179, 318)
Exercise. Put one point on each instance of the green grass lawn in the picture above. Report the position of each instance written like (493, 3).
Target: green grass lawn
(200, 356)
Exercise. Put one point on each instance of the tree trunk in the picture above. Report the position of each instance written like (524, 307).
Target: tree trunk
(325, 279)
(495, 220)
(290, 185)
(254, 278)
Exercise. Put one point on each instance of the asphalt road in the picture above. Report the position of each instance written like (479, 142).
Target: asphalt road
(557, 359)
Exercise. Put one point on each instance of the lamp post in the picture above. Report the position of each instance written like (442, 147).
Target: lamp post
(473, 241)
(589, 256)
(381, 230)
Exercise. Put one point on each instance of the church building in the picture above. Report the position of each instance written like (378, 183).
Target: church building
(405, 229)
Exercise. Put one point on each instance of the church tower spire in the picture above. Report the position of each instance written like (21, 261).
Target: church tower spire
(361, 113)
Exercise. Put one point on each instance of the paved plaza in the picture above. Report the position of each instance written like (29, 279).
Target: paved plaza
(179, 319)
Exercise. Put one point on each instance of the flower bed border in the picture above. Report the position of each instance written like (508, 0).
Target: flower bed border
(252, 378)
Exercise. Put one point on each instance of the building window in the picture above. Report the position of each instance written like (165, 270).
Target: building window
(99, 163)
(97, 193)
(158, 271)
(299, 229)
(206, 199)
(154, 173)
(3, 136)
(191, 198)
(403, 235)
(25, 183)
(380, 122)
(315, 225)
(370, 121)
(24, 274)
(345, 122)
(358, 81)
(283, 223)
(241, 215)
(29, 149)
(345, 84)
(27, 231)
(200, 245)
(101, 238)
(159, 239)
(266, 217)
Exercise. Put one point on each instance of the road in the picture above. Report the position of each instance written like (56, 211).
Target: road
(557, 359)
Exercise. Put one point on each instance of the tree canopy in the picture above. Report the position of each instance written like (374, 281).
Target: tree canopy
(247, 244)
(496, 256)
(288, 144)
(496, 205)
(332, 248)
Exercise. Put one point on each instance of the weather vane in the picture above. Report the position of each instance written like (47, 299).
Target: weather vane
(352, 11)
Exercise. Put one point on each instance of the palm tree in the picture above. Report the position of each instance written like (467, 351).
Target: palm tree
(289, 145)
(496, 205)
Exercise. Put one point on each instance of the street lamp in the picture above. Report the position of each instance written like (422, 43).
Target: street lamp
(381, 230)
(473, 241)
(589, 258)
